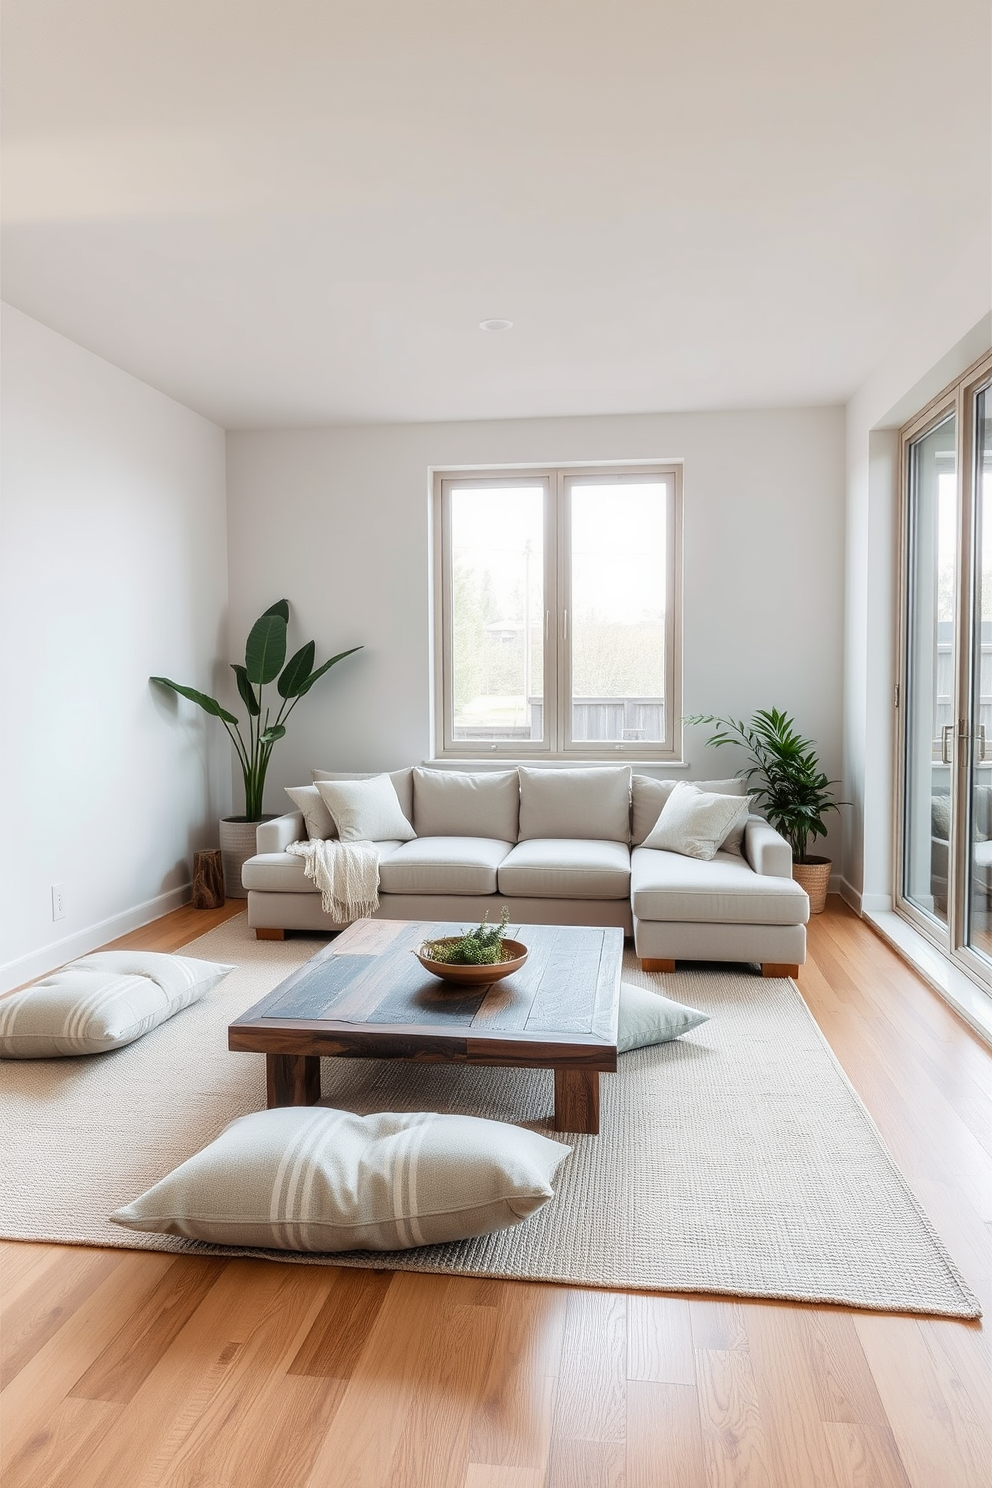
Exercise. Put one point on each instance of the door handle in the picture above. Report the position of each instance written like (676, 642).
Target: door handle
(981, 742)
(945, 734)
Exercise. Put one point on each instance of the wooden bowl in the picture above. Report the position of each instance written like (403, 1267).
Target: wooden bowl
(514, 956)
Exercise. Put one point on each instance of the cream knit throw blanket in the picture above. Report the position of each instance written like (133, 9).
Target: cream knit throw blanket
(346, 873)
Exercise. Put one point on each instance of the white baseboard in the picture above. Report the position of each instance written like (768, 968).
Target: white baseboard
(849, 894)
(81, 942)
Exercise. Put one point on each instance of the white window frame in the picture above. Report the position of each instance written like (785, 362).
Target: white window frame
(557, 743)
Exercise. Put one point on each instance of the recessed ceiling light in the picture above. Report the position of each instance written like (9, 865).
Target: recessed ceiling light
(495, 325)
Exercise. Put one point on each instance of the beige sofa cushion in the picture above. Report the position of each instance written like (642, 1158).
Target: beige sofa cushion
(454, 803)
(648, 796)
(553, 868)
(282, 872)
(309, 1179)
(443, 865)
(667, 886)
(402, 783)
(588, 803)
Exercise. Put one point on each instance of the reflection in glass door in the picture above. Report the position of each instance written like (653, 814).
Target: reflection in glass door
(930, 670)
(978, 923)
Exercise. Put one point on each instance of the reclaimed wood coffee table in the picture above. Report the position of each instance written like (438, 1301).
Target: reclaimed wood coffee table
(366, 996)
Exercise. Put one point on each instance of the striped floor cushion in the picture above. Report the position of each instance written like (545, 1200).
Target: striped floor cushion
(102, 1002)
(311, 1179)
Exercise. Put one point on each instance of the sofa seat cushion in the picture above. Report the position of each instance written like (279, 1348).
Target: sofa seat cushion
(443, 865)
(724, 891)
(282, 872)
(566, 867)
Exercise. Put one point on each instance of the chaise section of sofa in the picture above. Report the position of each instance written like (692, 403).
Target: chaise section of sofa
(555, 847)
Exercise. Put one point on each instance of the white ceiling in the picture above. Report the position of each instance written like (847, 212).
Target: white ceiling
(289, 212)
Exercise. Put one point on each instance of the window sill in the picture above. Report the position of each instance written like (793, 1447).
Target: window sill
(967, 999)
(546, 762)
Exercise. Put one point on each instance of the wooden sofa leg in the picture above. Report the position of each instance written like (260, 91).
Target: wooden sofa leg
(779, 969)
(267, 934)
(651, 963)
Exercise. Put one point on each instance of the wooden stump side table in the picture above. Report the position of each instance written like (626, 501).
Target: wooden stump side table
(208, 879)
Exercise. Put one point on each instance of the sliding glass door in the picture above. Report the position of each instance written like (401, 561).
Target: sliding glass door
(978, 867)
(944, 863)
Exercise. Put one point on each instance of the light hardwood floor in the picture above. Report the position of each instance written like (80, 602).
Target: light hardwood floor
(134, 1370)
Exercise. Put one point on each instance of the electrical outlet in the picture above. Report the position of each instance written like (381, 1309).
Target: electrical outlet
(58, 901)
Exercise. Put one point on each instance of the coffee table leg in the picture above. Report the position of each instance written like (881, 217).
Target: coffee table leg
(577, 1100)
(292, 1079)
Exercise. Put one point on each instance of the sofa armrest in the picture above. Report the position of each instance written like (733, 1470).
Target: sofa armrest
(276, 835)
(766, 850)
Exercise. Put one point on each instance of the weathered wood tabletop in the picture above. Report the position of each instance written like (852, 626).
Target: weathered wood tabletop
(365, 995)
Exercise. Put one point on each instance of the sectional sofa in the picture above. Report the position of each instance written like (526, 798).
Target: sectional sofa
(556, 847)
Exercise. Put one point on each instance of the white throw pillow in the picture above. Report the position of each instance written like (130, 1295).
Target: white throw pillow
(590, 803)
(307, 1178)
(695, 823)
(316, 818)
(102, 1002)
(366, 810)
(649, 795)
(647, 1018)
(402, 783)
(453, 803)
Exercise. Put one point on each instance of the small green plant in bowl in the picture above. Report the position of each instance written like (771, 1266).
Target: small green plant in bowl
(480, 955)
(482, 946)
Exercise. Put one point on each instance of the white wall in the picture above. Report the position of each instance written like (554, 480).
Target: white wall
(113, 565)
(337, 521)
(948, 328)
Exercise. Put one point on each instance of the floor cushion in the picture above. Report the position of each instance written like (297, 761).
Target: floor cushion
(102, 1002)
(648, 1018)
(311, 1179)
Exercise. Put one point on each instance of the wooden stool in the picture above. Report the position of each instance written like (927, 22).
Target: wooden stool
(208, 879)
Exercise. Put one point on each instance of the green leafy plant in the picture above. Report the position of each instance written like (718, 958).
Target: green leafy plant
(265, 662)
(784, 776)
(482, 946)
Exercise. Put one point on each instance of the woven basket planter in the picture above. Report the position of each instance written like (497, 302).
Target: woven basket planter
(237, 845)
(814, 876)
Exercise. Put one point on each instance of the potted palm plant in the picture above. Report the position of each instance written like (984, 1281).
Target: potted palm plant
(265, 662)
(788, 785)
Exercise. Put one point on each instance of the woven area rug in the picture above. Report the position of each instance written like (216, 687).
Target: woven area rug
(735, 1160)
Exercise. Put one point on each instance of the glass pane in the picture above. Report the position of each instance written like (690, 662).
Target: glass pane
(930, 668)
(619, 535)
(497, 632)
(979, 927)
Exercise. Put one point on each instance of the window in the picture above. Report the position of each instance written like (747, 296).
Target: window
(558, 612)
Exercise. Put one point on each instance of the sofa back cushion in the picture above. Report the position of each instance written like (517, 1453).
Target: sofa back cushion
(592, 803)
(453, 803)
(402, 784)
(649, 796)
